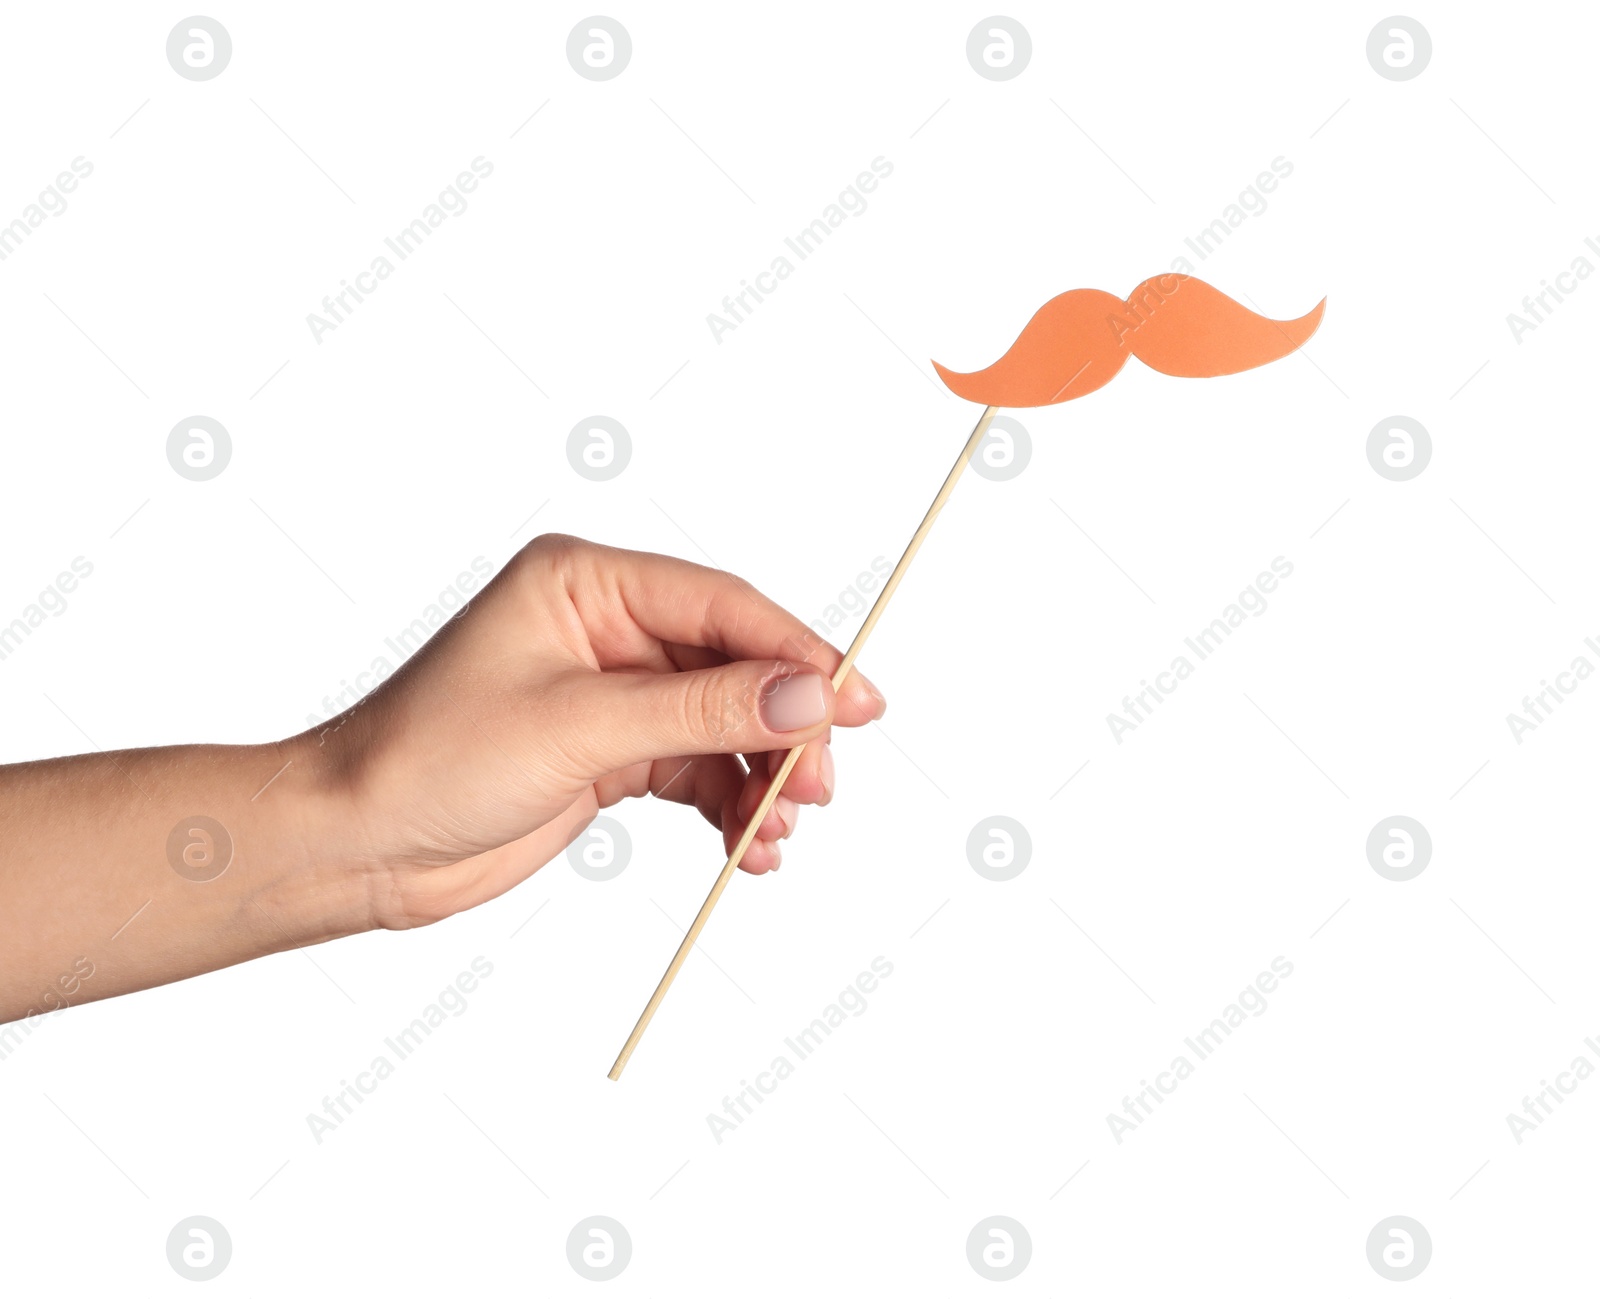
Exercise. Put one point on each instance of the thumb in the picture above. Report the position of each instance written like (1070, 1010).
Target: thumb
(744, 707)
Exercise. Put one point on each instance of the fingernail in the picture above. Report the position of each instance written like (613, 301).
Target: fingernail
(788, 812)
(794, 703)
(827, 770)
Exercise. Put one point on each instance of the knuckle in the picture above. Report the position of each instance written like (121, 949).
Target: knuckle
(553, 544)
(550, 553)
(699, 709)
(717, 706)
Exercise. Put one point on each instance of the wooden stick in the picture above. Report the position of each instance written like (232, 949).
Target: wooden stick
(760, 814)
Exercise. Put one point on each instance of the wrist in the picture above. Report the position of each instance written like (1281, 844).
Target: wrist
(301, 833)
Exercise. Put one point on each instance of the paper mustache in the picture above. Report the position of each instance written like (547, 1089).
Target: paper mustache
(1174, 323)
(1074, 344)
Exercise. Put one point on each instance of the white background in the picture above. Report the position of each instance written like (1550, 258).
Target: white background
(1165, 876)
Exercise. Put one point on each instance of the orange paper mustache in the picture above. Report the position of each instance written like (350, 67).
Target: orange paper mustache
(1174, 323)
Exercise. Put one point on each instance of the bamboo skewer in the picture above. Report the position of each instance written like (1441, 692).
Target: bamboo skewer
(773, 790)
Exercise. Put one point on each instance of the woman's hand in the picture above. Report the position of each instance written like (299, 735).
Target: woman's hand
(580, 676)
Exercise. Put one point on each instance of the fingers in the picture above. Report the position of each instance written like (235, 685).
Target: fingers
(782, 818)
(727, 795)
(764, 854)
(685, 604)
(813, 777)
(715, 785)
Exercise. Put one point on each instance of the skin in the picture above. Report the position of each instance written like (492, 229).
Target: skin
(580, 676)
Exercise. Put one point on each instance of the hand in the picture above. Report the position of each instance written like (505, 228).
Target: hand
(580, 676)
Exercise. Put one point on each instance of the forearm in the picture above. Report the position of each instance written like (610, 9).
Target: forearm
(113, 882)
